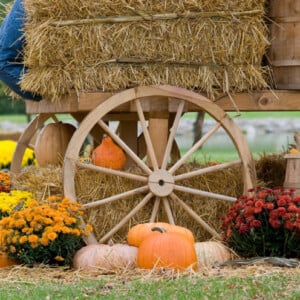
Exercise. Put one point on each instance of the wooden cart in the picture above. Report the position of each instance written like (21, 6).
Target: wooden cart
(149, 117)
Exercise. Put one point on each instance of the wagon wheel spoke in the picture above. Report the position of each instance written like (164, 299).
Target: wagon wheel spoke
(203, 193)
(124, 146)
(145, 200)
(194, 148)
(192, 213)
(171, 138)
(150, 148)
(155, 209)
(120, 196)
(207, 170)
(168, 210)
(112, 171)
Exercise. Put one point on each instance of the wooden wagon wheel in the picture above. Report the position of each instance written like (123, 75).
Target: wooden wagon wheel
(158, 181)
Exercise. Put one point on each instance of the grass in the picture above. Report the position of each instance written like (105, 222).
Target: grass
(21, 119)
(255, 286)
(18, 119)
(256, 114)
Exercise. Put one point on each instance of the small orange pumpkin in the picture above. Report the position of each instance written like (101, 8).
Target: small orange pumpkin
(139, 232)
(52, 143)
(108, 155)
(169, 250)
(101, 256)
(211, 252)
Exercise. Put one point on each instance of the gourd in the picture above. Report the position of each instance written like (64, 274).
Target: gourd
(139, 232)
(106, 257)
(168, 250)
(52, 143)
(108, 155)
(211, 252)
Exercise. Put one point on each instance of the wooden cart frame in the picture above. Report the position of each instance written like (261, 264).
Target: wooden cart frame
(158, 110)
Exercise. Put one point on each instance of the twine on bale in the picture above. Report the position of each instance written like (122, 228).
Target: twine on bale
(82, 46)
(152, 17)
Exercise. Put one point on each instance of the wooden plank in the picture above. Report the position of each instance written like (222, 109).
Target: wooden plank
(67, 104)
(276, 100)
(88, 101)
(267, 100)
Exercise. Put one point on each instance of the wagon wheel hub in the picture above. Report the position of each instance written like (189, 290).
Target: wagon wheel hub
(161, 183)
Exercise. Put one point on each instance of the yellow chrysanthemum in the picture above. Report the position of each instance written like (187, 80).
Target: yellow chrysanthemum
(13, 199)
(6, 154)
(52, 236)
(44, 241)
(294, 151)
(23, 239)
(33, 238)
(89, 227)
(59, 258)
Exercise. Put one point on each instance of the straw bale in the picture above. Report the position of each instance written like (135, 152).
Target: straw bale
(65, 275)
(91, 185)
(208, 46)
(271, 169)
(41, 182)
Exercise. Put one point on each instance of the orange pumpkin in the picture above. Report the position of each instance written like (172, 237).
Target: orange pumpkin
(101, 256)
(211, 252)
(5, 261)
(169, 250)
(108, 155)
(139, 232)
(52, 143)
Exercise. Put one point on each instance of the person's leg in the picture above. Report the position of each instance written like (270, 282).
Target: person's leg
(11, 47)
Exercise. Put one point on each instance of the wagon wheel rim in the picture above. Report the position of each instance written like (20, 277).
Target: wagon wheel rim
(159, 183)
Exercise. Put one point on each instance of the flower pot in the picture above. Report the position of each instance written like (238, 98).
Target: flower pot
(5, 261)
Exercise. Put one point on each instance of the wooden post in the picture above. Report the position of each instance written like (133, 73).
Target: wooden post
(158, 129)
(292, 174)
(128, 133)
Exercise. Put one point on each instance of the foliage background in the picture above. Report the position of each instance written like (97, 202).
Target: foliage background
(7, 105)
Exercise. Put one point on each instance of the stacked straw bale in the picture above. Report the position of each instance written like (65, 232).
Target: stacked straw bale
(100, 45)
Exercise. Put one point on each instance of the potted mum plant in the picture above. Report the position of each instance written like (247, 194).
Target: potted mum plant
(48, 232)
(265, 223)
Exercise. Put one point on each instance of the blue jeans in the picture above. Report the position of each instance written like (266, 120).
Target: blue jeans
(11, 49)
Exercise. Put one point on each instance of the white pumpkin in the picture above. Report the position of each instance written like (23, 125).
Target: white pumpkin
(211, 252)
(105, 257)
(52, 142)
